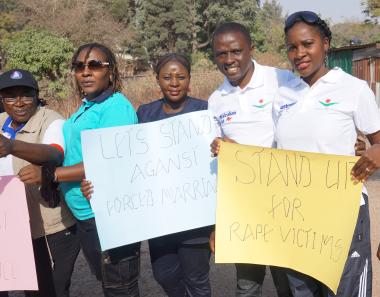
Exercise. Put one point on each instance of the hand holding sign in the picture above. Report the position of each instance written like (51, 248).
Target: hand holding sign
(286, 208)
(144, 173)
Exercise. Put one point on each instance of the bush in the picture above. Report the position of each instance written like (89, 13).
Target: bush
(45, 55)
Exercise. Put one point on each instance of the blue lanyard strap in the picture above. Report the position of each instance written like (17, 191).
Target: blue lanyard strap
(8, 131)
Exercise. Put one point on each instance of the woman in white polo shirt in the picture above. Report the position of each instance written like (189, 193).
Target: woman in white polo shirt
(321, 111)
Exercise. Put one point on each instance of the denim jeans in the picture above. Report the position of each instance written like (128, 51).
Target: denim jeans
(118, 269)
(181, 269)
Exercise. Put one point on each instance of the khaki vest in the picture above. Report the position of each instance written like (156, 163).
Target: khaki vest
(43, 219)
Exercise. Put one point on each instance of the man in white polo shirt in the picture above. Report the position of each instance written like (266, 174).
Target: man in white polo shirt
(242, 107)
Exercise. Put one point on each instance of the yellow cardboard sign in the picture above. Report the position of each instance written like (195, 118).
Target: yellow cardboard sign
(286, 208)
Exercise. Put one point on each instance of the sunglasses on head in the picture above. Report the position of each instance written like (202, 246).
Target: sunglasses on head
(306, 16)
(92, 65)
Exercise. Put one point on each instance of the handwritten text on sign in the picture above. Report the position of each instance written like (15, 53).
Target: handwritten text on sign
(151, 179)
(286, 208)
(17, 269)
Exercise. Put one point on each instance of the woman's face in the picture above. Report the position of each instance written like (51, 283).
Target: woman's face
(307, 49)
(20, 103)
(174, 80)
(92, 81)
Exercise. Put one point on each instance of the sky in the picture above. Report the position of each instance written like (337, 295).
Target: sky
(336, 10)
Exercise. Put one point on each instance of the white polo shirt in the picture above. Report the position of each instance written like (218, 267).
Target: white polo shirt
(325, 117)
(245, 115)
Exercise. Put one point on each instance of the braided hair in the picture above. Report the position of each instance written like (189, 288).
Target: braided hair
(322, 26)
(324, 29)
(115, 82)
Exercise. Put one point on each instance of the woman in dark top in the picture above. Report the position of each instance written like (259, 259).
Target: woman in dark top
(180, 261)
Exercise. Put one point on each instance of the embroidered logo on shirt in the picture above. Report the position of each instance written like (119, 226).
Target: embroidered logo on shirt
(286, 106)
(226, 116)
(261, 104)
(328, 102)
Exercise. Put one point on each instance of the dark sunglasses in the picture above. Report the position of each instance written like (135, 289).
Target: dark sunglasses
(306, 16)
(92, 65)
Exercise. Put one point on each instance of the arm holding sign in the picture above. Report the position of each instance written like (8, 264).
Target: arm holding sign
(215, 144)
(86, 188)
(32, 133)
(360, 145)
(70, 173)
(369, 162)
(36, 153)
(31, 174)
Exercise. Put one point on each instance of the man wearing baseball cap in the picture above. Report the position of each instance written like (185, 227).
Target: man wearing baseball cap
(32, 133)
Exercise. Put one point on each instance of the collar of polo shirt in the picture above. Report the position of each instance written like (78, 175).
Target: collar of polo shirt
(257, 81)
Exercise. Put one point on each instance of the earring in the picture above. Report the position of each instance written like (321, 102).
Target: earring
(326, 60)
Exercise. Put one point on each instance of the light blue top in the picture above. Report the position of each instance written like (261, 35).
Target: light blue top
(114, 110)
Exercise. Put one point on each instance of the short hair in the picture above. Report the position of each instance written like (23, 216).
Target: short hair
(180, 58)
(115, 83)
(231, 27)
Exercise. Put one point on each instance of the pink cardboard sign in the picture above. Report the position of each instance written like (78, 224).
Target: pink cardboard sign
(17, 268)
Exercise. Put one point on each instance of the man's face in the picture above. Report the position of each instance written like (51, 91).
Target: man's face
(20, 103)
(232, 55)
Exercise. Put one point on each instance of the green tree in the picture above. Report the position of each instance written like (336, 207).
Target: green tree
(372, 9)
(42, 53)
(212, 13)
(186, 25)
(123, 11)
(8, 19)
(268, 34)
(165, 27)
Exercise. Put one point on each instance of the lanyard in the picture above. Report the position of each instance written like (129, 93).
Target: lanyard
(8, 131)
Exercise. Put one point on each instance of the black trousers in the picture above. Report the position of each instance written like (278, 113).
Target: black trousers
(118, 269)
(250, 278)
(54, 274)
(181, 269)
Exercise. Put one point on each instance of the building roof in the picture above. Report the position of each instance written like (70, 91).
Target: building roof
(357, 46)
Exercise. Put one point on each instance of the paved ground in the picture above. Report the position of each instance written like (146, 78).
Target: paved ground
(222, 276)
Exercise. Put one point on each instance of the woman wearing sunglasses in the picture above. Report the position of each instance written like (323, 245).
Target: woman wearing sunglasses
(330, 106)
(32, 133)
(180, 261)
(98, 82)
